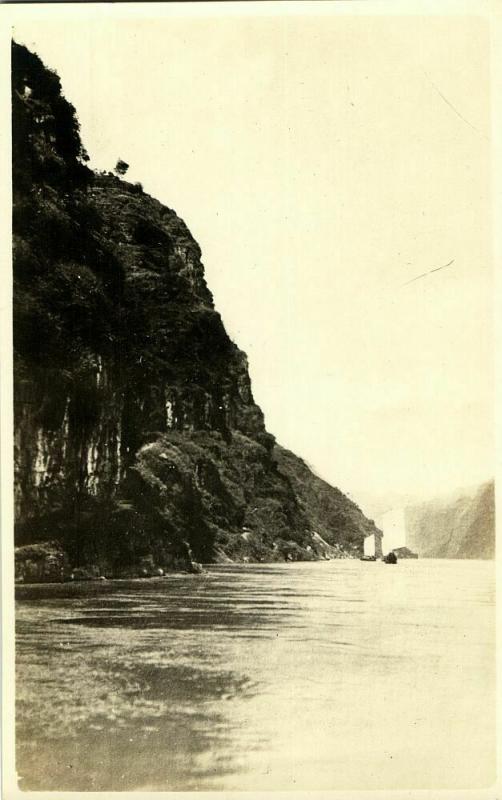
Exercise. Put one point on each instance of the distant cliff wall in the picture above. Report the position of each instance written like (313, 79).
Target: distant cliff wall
(462, 526)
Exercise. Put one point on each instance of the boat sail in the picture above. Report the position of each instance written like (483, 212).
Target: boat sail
(369, 545)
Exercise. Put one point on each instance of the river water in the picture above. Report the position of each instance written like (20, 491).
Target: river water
(331, 675)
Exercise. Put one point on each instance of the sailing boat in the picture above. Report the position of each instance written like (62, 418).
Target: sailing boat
(369, 549)
(394, 524)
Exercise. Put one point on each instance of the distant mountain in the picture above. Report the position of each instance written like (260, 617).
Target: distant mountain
(459, 526)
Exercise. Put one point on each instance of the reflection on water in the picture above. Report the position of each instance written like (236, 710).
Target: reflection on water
(331, 675)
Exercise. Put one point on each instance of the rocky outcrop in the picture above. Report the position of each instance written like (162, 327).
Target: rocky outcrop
(41, 563)
(138, 443)
(459, 526)
(404, 552)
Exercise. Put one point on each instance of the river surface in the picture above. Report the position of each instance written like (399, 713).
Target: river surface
(330, 675)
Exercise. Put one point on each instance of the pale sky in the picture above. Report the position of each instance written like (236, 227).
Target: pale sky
(321, 163)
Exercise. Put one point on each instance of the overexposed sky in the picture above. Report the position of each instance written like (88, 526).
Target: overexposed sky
(322, 163)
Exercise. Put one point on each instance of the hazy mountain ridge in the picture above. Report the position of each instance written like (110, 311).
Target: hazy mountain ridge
(459, 526)
(137, 440)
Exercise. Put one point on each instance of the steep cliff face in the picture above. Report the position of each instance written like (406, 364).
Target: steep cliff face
(462, 526)
(137, 439)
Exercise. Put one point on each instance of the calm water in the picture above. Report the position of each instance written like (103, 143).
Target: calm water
(329, 675)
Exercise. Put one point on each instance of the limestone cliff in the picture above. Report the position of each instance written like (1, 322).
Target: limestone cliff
(137, 439)
(460, 526)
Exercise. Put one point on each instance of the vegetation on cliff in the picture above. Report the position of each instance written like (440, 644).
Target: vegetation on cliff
(137, 439)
